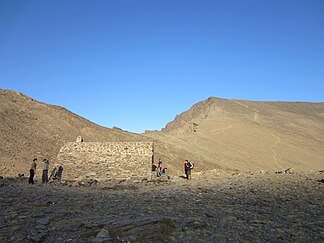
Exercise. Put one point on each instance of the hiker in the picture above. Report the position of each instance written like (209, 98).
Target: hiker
(32, 171)
(159, 168)
(164, 172)
(59, 172)
(160, 165)
(153, 167)
(45, 171)
(53, 172)
(185, 168)
(189, 167)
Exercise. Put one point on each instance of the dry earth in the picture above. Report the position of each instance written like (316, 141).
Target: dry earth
(213, 207)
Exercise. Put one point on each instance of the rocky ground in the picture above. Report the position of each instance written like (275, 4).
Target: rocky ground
(232, 207)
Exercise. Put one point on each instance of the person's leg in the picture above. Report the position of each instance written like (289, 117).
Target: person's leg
(43, 177)
(32, 173)
(30, 177)
(59, 176)
(46, 176)
(52, 174)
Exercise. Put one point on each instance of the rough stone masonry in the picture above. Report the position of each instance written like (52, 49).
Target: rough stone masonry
(106, 161)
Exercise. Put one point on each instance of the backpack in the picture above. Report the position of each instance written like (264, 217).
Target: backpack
(191, 165)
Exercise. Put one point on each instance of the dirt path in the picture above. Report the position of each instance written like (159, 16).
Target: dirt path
(278, 139)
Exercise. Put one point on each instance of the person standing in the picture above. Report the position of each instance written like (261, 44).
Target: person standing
(59, 172)
(45, 171)
(159, 168)
(185, 168)
(189, 167)
(32, 171)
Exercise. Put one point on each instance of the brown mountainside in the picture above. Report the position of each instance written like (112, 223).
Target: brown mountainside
(250, 135)
(34, 129)
(215, 133)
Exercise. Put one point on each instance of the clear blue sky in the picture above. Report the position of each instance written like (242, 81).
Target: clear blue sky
(136, 64)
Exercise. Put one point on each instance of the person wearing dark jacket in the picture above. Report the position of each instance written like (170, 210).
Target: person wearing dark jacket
(32, 171)
(45, 171)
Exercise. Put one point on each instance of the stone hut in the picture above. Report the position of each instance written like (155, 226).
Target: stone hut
(106, 161)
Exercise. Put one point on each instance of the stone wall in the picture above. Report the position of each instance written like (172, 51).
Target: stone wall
(106, 161)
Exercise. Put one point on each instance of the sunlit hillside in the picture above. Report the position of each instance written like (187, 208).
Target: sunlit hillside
(215, 133)
(249, 135)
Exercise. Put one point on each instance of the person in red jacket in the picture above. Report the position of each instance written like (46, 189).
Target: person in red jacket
(186, 169)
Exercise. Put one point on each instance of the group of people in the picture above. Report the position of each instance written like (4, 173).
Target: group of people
(56, 173)
(160, 170)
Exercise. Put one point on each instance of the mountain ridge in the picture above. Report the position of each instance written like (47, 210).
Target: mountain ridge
(250, 135)
(30, 128)
(225, 134)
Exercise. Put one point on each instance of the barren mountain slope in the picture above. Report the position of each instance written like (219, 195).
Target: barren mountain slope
(33, 129)
(249, 135)
(215, 133)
